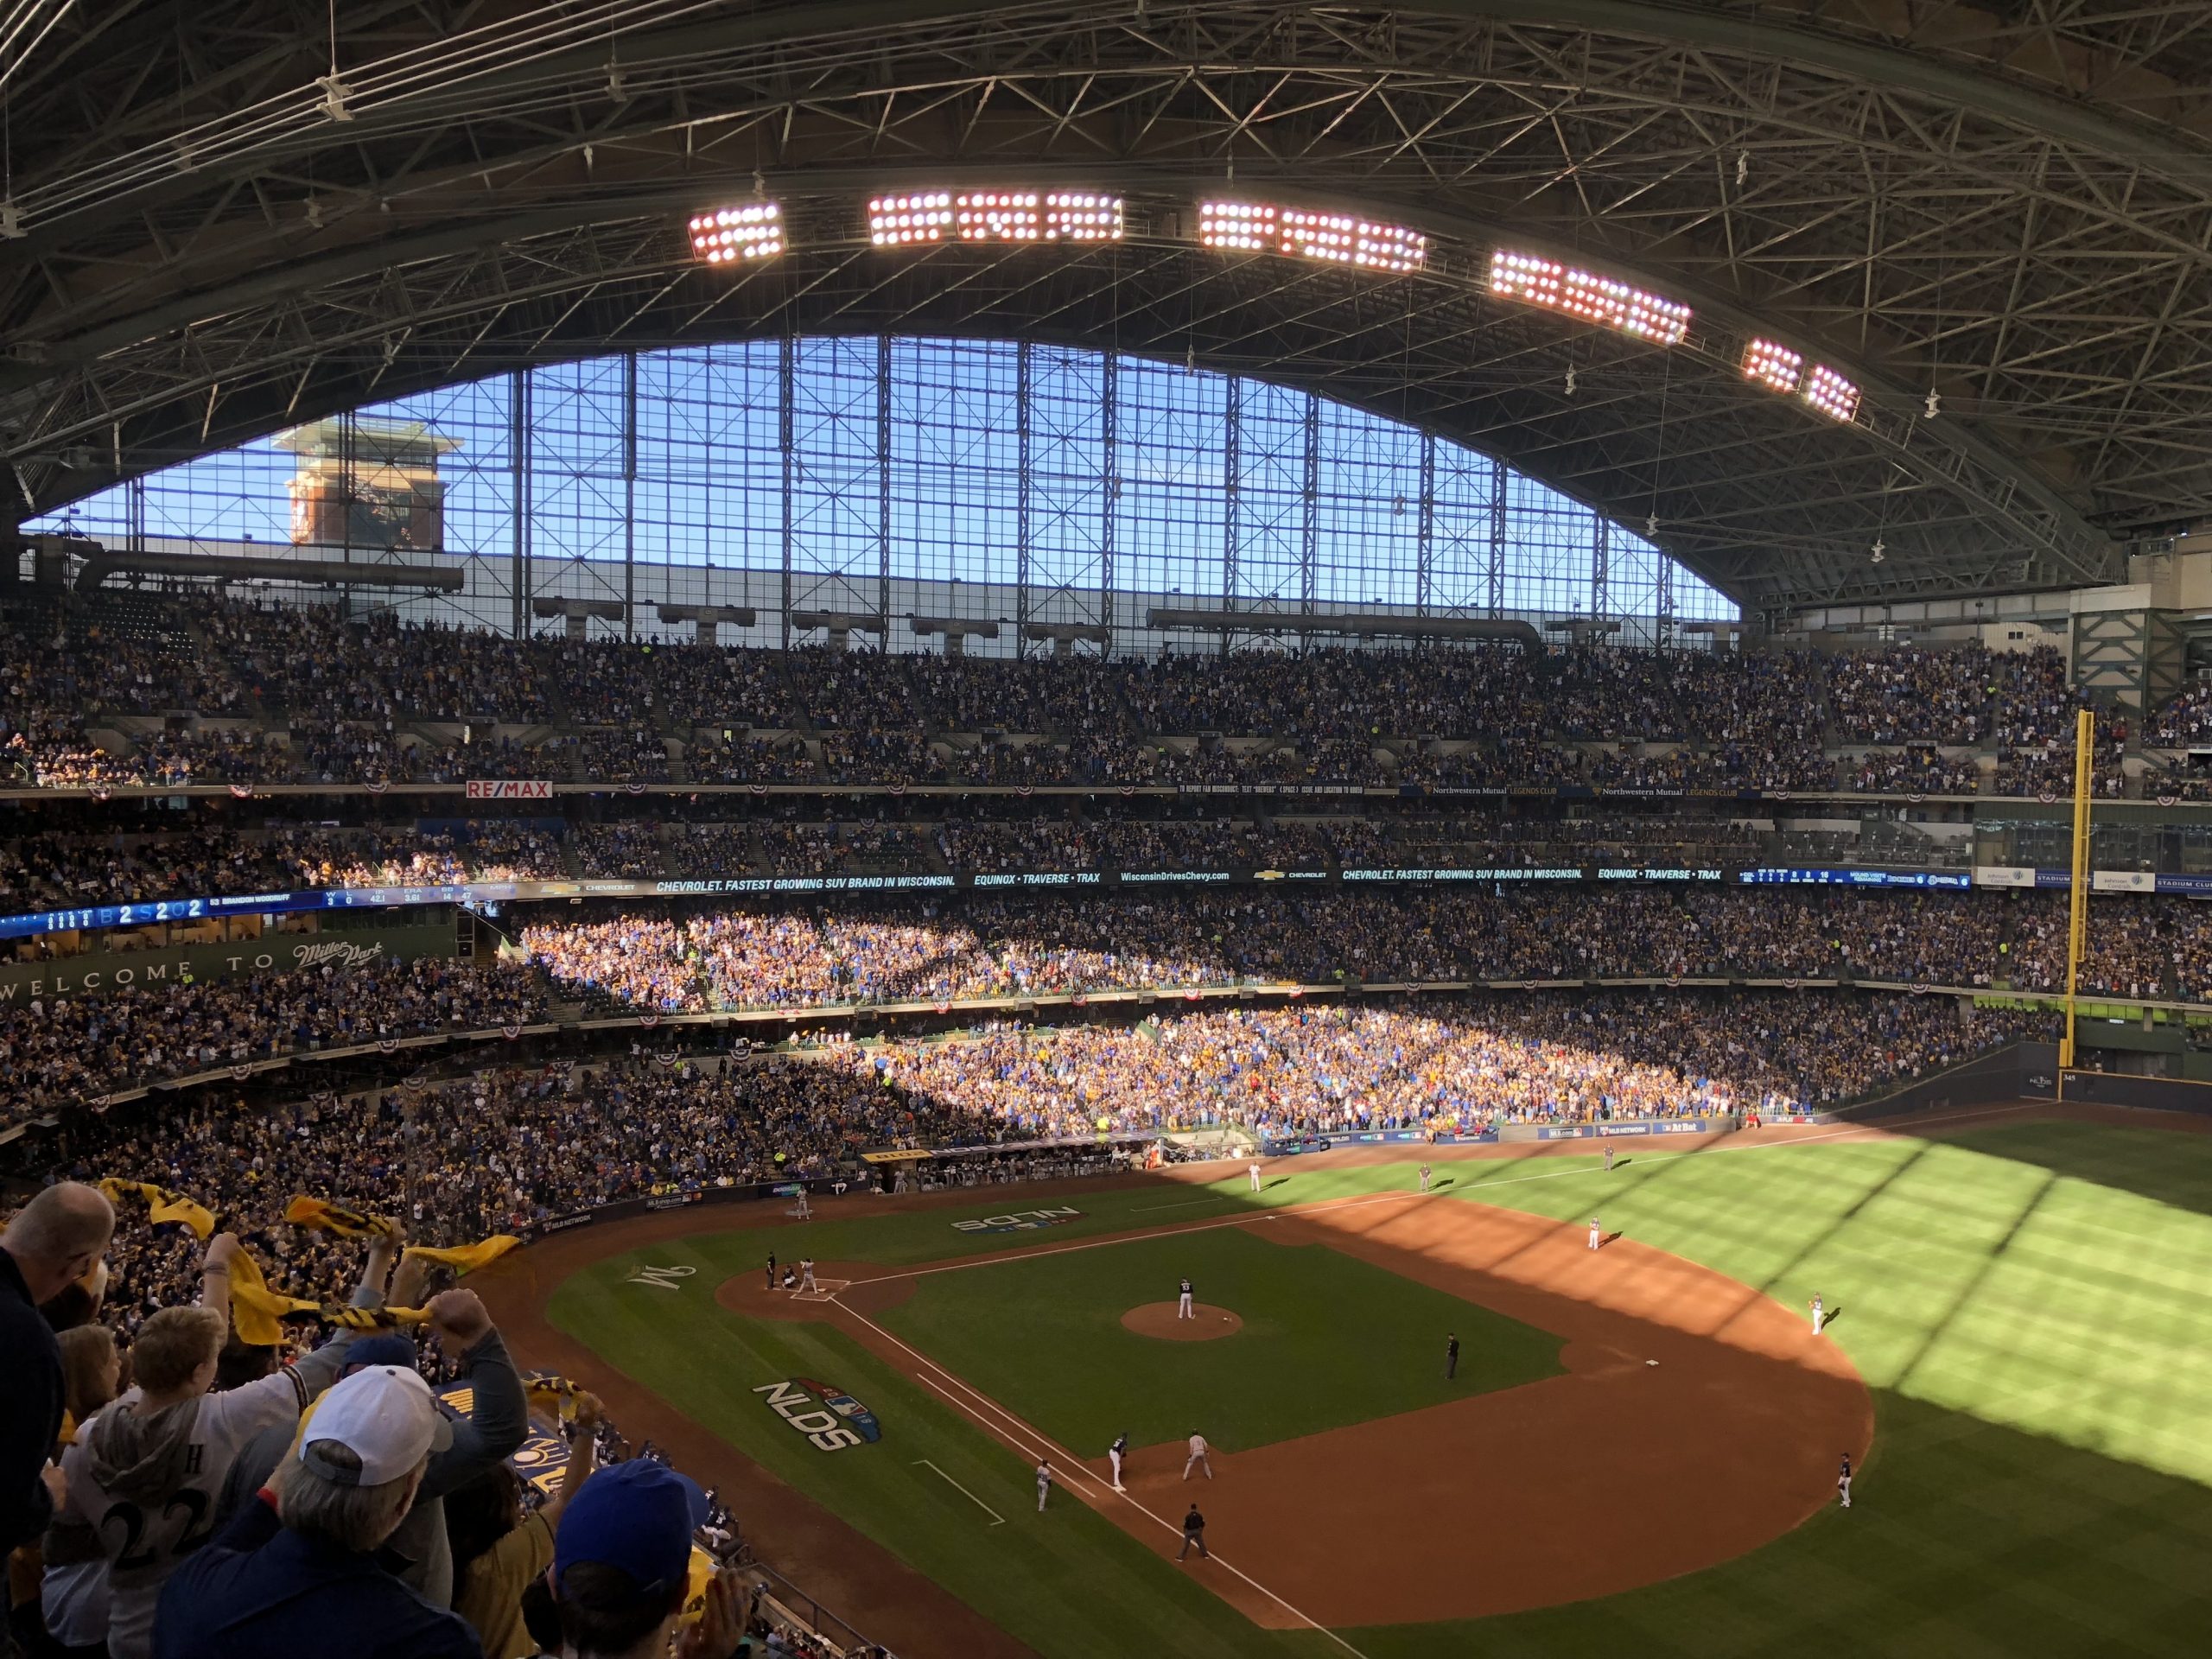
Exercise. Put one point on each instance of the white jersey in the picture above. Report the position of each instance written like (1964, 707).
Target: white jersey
(1198, 1445)
(146, 1536)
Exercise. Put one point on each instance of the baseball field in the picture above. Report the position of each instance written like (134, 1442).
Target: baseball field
(1638, 1452)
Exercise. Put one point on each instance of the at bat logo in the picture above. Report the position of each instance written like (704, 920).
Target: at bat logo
(830, 1419)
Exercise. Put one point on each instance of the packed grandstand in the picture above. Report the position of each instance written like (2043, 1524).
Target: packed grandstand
(766, 921)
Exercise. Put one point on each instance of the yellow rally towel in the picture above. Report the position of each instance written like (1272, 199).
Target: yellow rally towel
(163, 1206)
(304, 1211)
(698, 1575)
(256, 1310)
(463, 1258)
(552, 1394)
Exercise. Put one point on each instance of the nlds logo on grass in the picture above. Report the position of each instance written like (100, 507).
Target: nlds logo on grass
(830, 1419)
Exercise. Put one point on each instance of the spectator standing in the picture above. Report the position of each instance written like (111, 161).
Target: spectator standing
(72, 1594)
(621, 1567)
(297, 1567)
(53, 1242)
(498, 1550)
(143, 1476)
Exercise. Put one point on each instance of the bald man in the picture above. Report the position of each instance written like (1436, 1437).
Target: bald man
(53, 1241)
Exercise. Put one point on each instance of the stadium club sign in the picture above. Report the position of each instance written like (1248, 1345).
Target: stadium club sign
(830, 1419)
(1021, 1221)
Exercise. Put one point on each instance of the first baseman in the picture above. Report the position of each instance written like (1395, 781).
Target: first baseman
(1197, 1456)
(1183, 1309)
(1115, 1453)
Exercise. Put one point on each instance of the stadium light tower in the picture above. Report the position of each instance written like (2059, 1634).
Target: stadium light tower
(1304, 233)
(751, 230)
(920, 218)
(1830, 393)
(1534, 279)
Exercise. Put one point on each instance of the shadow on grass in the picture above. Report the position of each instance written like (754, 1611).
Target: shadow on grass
(1962, 1538)
(2168, 1166)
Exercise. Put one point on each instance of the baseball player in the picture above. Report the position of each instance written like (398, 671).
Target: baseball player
(804, 1210)
(1194, 1532)
(1451, 1356)
(1843, 1483)
(806, 1275)
(1183, 1308)
(1594, 1234)
(1044, 1482)
(1609, 1160)
(1199, 1449)
(1819, 1315)
(771, 1269)
(1115, 1453)
(1255, 1173)
(1424, 1178)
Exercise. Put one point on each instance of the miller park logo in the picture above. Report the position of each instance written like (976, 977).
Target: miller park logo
(829, 1418)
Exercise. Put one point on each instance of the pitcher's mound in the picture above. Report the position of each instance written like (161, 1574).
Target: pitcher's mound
(1158, 1320)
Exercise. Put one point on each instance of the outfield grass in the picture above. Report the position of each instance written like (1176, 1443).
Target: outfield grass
(1327, 1341)
(2032, 1303)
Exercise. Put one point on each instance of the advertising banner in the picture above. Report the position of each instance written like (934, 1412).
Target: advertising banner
(101, 971)
(510, 789)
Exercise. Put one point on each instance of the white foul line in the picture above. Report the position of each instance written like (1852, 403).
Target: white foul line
(1069, 1466)
(997, 1520)
(1329, 1206)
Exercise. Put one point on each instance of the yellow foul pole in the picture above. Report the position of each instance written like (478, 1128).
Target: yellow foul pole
(2077, 909)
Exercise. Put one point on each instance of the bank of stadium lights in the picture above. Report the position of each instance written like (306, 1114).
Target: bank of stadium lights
(1830, 393)
(1604, 301)
(1774, 365)
(754, 231)
(1333, 239)
(994, 216)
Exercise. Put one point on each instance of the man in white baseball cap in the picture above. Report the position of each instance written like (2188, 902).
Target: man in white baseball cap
(303, 1556)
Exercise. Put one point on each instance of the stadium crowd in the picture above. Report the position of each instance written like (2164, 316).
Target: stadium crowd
(335, 688)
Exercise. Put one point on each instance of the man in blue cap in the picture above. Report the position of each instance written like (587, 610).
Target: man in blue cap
(622, 1568)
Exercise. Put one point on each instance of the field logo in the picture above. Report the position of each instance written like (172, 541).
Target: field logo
(829, 1418)
(666, 1278)
(1021, 1221)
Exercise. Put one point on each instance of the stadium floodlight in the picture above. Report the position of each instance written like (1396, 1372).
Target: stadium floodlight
(1830, 393)
(1773, 365)
(1082, 216)
(1304, 233)
(904, 221)
(994, 216)
(753, 230)
(1603, 299)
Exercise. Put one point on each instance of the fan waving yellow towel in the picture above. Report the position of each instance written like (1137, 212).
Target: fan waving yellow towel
(304, 1211)
(163, 1206)
(256, 1310)
(463, 1258)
